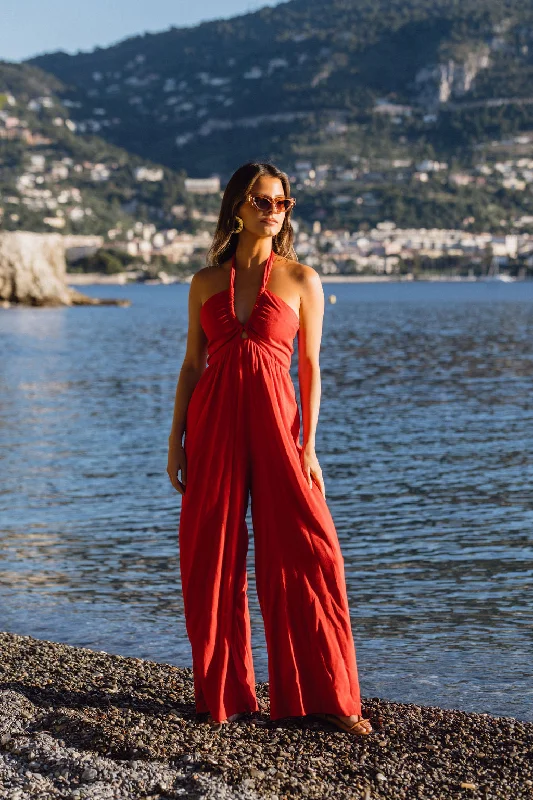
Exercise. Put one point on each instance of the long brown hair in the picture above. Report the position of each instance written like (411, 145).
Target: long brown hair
(239, 185)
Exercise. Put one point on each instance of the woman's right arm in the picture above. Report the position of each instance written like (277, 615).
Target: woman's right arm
(191, 371)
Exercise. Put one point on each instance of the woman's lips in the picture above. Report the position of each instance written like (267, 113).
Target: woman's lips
(270, 221)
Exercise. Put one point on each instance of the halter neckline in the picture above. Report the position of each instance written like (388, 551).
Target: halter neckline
(264, 281)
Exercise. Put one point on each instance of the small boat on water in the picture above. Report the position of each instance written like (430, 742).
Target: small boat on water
(493, 274)
(499, 278)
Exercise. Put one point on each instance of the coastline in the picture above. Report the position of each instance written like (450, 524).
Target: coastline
(121, 279)
(79, 723)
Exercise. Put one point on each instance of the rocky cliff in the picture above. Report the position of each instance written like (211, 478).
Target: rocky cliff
(33, 271)
(437, 84)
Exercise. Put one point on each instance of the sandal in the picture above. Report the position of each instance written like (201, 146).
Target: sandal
(218, 725)
(359, 727)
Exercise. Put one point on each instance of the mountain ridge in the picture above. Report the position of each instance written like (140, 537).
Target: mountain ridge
(235, 75)
(415, 112)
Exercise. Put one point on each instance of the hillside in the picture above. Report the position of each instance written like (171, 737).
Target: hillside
(308, 78)
(413, 112)
(54, 177)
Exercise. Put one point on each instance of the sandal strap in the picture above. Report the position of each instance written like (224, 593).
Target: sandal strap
(334, 720)
(359, 722)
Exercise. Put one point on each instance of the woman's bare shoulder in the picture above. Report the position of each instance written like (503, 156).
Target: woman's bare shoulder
(208, 280)
(303, 275)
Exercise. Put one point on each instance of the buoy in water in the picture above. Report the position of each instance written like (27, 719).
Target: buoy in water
(332, 298)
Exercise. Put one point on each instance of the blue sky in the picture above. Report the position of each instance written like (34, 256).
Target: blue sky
(31, 27)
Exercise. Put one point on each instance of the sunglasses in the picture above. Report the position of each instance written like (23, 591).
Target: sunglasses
(267, 204)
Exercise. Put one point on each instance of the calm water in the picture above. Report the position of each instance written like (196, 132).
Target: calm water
(425, 440)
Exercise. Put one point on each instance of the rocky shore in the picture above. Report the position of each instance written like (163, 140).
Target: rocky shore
(75, 723)
(33, 272)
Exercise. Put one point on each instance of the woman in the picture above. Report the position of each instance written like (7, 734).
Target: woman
(242, 437)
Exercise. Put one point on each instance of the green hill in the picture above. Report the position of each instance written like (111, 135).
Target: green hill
(418, 112)
(53, 177)
(309, 76)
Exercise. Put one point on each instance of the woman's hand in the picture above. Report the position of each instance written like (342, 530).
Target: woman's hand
(177, 460)
(311, 468)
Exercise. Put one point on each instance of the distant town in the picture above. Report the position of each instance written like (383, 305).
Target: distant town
(45, 186)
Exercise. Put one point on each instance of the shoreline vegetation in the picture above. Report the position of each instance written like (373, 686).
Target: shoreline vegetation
(77, 723)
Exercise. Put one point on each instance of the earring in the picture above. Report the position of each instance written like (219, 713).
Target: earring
(240, 225)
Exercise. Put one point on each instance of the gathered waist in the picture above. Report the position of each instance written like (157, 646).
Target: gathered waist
(249, 353)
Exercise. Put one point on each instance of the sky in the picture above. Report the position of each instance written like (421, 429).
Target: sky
(32, 27)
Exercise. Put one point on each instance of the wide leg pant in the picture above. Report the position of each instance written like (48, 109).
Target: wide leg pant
(243, 444)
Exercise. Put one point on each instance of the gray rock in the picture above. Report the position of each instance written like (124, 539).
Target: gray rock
(33, 272)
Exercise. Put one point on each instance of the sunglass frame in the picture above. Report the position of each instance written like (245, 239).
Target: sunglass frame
(273, 203)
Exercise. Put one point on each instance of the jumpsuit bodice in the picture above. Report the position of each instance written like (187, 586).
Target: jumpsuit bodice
(272, 324)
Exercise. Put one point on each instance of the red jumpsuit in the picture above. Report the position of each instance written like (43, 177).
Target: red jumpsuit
(242, 438)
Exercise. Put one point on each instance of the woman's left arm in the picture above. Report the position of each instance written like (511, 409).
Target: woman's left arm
(309, 338)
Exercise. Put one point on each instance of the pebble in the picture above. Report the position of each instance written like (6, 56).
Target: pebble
(77, 724)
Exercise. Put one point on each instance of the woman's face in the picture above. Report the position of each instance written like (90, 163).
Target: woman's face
(263, 223)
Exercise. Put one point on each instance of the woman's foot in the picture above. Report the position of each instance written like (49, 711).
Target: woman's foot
(360, 722)
(353, 724)
(217, 725)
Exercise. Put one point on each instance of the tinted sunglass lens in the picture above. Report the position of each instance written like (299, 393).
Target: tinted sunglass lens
(262, 203)
(265, 204)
